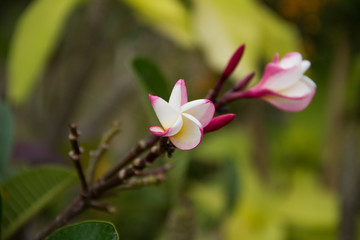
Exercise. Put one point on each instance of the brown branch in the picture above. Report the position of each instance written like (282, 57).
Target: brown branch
(126, 173)
(74, 209)
(102, 207)
(136, 183)
(159, 170)
(136, 151)
(75, 156)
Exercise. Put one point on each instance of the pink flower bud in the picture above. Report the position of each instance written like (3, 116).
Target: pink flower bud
(219, 122)
(233, 62)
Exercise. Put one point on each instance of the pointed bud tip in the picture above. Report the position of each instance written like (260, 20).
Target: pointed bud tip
(234, 61)
(219, 122)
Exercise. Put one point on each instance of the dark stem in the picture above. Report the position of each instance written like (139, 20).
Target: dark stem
(132, 170)
(75, 156)
(136, 151)
(74, 209)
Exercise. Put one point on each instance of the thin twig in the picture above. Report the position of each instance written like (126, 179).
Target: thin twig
(136, 183)
(100, 151)
(128, 172)
(75, 156)
(136, 151)
(102, 207)
(156, 171)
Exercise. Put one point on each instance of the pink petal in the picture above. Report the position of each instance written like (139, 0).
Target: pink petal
(277, 78)
(293, 101)
(281, 75)
(219, 122)
(203, 110)
(159, 131)
(276, 58)
(178, 95)
(303, 87)
(166, 114)
(190, 134)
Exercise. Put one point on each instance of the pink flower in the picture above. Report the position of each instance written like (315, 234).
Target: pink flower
(182, 121)
(284, 84)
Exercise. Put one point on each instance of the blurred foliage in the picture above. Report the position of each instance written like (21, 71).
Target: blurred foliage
(28, 192)
(86, 231)
(265, 212)
(150, 77)
(36, 34)
(219, 27)
(1, 214)
(168, 16)
(264, 177)
(6, 137)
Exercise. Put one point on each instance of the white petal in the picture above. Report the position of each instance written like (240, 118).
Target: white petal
(290, 104)
(290, 60)
(203, 110)
(295, 98)
(178, 95)
(276, 78)
(166, 114)
(174, 129)
(159, 131)
(300, 88)
(190, 134)
(305, 65)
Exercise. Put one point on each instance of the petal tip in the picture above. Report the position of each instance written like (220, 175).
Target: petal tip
(180, 82)
(153, 98)
(219, 122)
(157, 130)
(276, 58)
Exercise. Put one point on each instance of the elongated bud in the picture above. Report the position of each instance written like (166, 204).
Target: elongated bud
(219, 122)
(233, 62)
(244, 82)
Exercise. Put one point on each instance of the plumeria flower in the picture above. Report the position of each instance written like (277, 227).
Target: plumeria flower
(182, 121)
(284, 84)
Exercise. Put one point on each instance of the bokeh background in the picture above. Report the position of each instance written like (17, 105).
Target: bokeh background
(270, 175)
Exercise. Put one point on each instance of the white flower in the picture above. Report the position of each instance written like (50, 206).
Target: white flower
(284, 84)
(182, 121)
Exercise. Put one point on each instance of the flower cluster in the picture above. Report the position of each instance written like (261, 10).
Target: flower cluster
(283, 85)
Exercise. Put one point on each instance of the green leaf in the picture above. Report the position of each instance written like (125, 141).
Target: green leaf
(150, 77)
(6, 134)
(35, 37)
(90, 230)
(28, 192)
